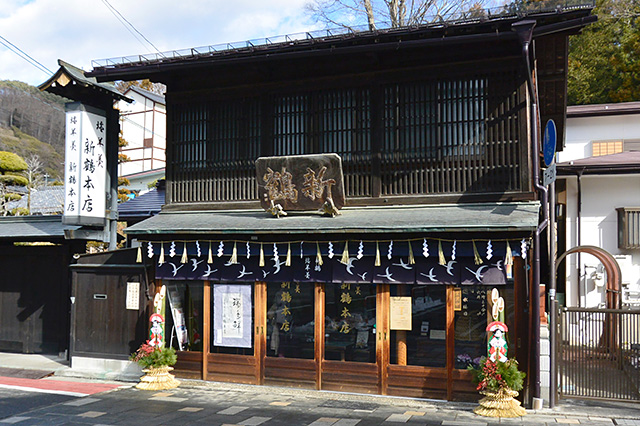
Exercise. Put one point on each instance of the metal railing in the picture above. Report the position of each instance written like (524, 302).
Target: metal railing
(519, 10)
(599, 354)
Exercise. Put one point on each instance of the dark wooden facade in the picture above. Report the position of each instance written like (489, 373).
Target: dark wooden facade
(101, 326)
(34, 301)
(436, 114)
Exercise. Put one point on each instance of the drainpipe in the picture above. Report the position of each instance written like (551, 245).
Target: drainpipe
(524, 30)
(579, 236)
(553, 320)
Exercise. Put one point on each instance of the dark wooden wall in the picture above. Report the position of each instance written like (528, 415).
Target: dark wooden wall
(34, 298)
(101, 326)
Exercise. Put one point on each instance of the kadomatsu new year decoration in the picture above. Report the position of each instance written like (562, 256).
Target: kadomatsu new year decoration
(497, 376)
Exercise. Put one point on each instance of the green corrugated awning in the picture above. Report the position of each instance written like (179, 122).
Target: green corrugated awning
(480, 217)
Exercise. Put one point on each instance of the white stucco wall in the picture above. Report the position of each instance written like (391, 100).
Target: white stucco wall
(601, 195)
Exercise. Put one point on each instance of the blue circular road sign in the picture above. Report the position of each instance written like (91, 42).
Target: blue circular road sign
(549, 142)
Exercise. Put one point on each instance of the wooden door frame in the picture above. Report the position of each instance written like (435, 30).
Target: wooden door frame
(319, 308)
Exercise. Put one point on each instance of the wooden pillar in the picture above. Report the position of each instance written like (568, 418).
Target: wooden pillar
(206, 328)
(260, 338)
(451, 343)
(319, 332)
(382, 334)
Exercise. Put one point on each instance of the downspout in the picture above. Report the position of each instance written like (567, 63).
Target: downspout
(578, 235)
(524, 30)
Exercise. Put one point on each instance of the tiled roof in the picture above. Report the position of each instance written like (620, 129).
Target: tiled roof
(46, 200)
(143, 206)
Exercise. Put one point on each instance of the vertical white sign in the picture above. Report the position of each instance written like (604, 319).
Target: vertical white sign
(85, 168)
(133, 296)
(232, 315)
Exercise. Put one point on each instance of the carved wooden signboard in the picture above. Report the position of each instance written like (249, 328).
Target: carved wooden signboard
(300, 182)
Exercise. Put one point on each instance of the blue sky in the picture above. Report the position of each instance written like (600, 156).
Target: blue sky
(79, 31)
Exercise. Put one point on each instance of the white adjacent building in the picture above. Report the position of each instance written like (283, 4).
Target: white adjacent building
(143, 124)
(598, 190)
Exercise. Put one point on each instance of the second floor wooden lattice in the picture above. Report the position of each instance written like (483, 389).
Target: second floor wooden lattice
(397, 137)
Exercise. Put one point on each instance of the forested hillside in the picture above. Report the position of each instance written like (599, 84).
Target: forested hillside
(32, 123)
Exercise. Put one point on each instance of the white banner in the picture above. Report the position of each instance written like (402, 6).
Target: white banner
(85, 167)
(232, 319)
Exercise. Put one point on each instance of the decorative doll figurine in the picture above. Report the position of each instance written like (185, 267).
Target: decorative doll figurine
(497, 346)
(156, 333)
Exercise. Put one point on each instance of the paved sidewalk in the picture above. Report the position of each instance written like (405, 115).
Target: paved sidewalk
(198, 402)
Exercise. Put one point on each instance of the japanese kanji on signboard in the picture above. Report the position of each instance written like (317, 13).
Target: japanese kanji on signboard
(85, 166)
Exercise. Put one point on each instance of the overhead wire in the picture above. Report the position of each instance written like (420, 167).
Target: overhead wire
(15, 49)
(129, 26)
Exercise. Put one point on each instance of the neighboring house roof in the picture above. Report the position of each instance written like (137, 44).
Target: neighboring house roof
(144, 206)
(159, 171)
(621, 163)
(603, 109)
(33, 228)
(159, 99)
(46, 200)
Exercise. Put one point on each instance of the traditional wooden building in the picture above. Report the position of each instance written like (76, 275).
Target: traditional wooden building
(434, 128)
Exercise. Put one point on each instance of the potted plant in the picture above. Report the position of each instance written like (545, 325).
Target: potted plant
(156, 363)
(499, 382)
